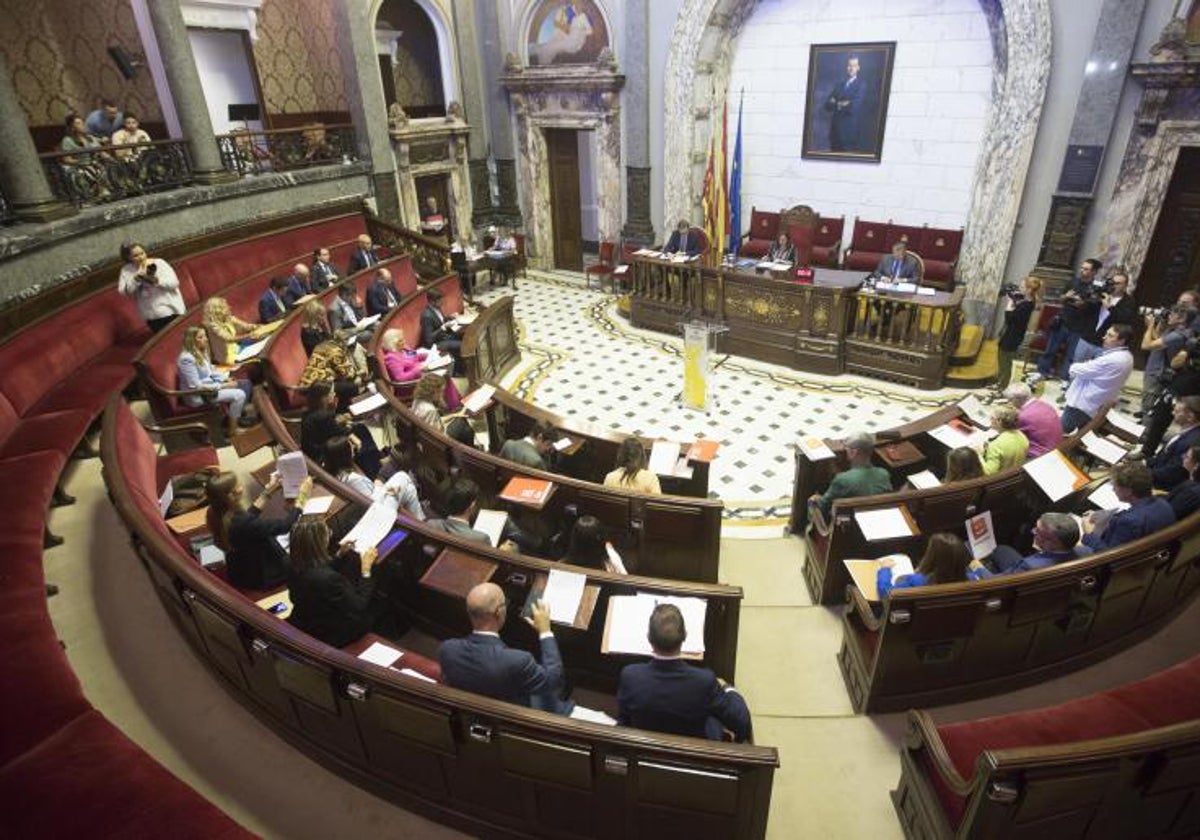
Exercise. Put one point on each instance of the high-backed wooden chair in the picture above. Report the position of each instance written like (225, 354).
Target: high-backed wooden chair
(800, 223)
(604, 268)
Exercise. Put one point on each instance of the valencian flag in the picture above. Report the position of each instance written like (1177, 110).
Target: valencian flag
(715, 198)
(735, 186)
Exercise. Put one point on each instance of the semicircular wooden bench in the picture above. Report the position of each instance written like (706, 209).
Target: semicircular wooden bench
(468, 761)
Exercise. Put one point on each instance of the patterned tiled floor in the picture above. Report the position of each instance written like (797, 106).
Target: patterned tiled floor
(583, 360)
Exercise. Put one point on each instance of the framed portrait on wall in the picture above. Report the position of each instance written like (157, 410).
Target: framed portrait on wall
(846, 102)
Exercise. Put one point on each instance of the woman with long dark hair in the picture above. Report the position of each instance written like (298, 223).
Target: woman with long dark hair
(254, 559)
(946, 560)
(326, 605)
(631, 472)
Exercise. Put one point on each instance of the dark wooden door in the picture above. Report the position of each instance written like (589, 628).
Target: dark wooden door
(1173, 261)
(562, 147)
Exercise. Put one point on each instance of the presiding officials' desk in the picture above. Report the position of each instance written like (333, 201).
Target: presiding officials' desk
(828, 326)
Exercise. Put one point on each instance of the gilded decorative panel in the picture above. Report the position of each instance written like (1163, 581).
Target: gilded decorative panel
(764, 306)
(57, 55)
(299, 67)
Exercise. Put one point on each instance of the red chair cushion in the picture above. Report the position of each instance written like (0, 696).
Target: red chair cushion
(58, 431)
(26, 487)
(862, 260)
(828, 232)
(755, 247)
(184, 463)
(88, 389)
(89, 780)
(824, 255)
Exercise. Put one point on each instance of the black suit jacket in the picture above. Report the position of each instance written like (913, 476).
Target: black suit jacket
(361, 259)
(433, 327)
(1125, 312)
(255, 559)
(1167, 465)
(327, 606)
(485, 665)
(691, 246)
(377, 299)
(323, 275)
(669, 695)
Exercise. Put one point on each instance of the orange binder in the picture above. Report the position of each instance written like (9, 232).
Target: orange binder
(527, 491)
(704, 450)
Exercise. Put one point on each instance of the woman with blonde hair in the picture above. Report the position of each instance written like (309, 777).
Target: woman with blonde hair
(1018, 307)
(406, 364)
(631, 472)
(254, 559)
(314, 326)
(196, 373)
(225, 330)
(429, 405)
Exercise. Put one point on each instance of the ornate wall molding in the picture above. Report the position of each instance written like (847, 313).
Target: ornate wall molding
(431, 147)
(698, 64)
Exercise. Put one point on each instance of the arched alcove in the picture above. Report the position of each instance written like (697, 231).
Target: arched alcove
(414, 36)
(702, 46)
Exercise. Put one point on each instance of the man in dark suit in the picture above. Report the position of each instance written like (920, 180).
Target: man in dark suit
(1113, 307)
(298, 285)
(845, 106)
(669, 695)
(272, 306)
(534, 450)
(437, 329)
(683, 241)
(1166, 466)
(363, 255)
(899, 264)
(382, 296)
(1055, 540)
(482, 663)
(324, 274)
(1147, 513)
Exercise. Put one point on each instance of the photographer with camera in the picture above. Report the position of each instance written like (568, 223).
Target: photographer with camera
(1167, 332)
(1180, 380)
(1020, 301)
(1071, 322)
(152, 283)
(1112, 305)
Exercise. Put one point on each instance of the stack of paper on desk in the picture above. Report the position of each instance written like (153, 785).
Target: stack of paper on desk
(370, 530)
(923, 480)
(886, 524)
(491, 522)
(629, 619)
(380, 654)
(1055, 475)
(292, 469)
(1125, 423)
(368, 404)
(477, 400)
(663, 455)
(563, 594)
(1103, 448)
(976, 411)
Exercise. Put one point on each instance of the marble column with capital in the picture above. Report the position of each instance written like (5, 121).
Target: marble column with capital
(367, 103)
(493, 20)
(471, 88)
(22, 179)
(636, 107)
(171, 35)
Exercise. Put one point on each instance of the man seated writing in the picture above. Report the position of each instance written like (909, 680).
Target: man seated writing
(535, 450)
(1133, 484)
(482, 663)
(668, 695)
(900, 265)
(682, 241)
(862, 479)
(1055, 540)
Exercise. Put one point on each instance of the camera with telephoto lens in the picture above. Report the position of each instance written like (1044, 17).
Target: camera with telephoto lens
(1159, 313)
(1013, 291)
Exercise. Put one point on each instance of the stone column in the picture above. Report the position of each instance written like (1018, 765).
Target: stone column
(171, 35)
(495, 63)
(368, 107)
(22, 179)
(1095, 114)
(636, 64)
(471, 88)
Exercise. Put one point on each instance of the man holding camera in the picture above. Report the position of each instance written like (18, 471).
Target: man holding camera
(1112, 306)
(1071, 322)
(1166, 334)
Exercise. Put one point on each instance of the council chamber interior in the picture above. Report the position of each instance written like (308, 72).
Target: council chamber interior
(609, 418)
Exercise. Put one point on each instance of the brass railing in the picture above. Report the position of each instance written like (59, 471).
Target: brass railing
(247, 152)
(107, 173)
(430, 257)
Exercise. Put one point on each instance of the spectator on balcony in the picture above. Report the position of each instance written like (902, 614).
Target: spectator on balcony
(382, 296)
(105, 120)
(364, 255)
(272, 306)
(129, 133)
(225, 330)
(152, 283)
(299, 285)
(324, 274)
(84, 171)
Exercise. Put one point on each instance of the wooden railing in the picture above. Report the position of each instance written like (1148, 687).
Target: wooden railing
(108, 173)
(431, 257)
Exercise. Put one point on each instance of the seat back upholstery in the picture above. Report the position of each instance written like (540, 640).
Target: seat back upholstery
(941, 244)
(158, 367)
(763, 224)
(828, 232)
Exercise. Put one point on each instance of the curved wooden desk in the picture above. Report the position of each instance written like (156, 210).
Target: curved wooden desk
(827, 327)
(489, 343)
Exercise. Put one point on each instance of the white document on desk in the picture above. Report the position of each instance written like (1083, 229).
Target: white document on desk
(370, 530)
(562, 443)
(168, 496)
(478, 399)
(663, 455)
(951, 437)
(292, 470)
(631, 619)
(924, 480)
(367, 405)
(591, 715)
(409, 672)
(815, 449)
(251, 350)
(210, 555)
(491, 522)
(318, 505)
(614, 560)
(1104, 449)
(364, 323)
(380, 654)
(563, 595)
(1125, 423)
(885, 524)
(976, 411)
(1105, 498)
(1052, 474)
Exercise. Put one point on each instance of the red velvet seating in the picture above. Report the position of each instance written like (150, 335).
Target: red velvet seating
(938, 247)
(957, 778)
(827, 241)
(764, 229)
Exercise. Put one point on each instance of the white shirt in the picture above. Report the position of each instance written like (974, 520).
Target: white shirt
(1099, 381)
(153, 301)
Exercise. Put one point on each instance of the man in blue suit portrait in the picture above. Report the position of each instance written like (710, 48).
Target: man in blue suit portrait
(667, 694)
(845, 104)
(482, 663)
